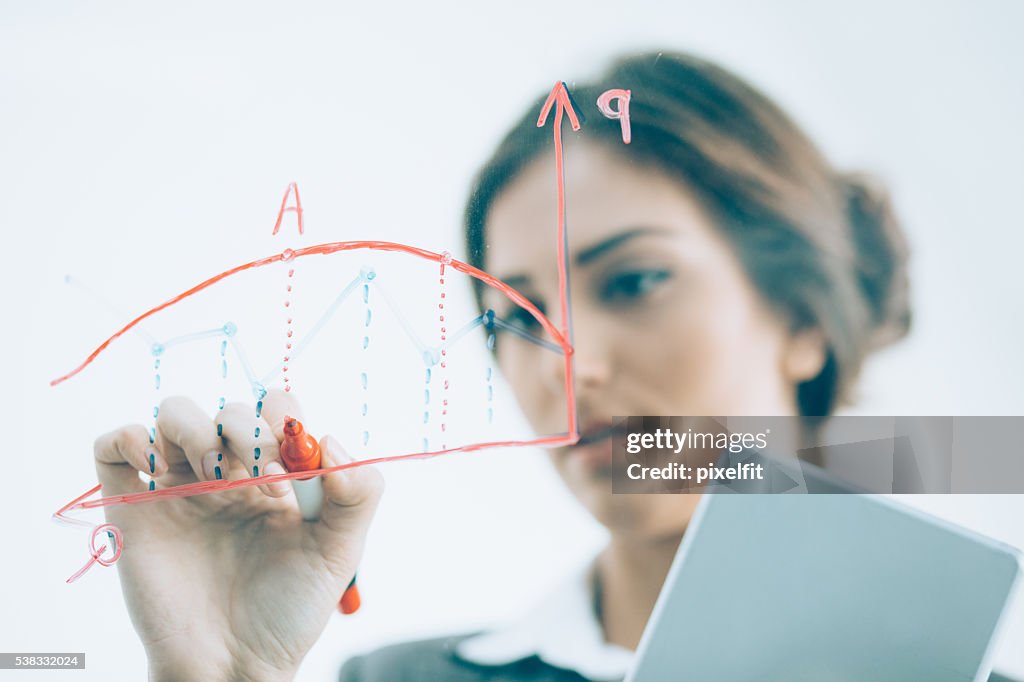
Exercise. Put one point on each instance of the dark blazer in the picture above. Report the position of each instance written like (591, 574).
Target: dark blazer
(434, 660)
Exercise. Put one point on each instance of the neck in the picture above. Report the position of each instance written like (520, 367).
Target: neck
(630, 573)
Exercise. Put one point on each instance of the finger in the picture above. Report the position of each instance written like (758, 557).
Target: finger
(277, 405)
(120, 456)
(182, 424)
(350, 500)
(249, 440)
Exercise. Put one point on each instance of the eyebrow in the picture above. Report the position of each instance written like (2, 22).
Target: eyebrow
(592, 253)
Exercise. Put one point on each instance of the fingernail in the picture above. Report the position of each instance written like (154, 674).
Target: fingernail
(211, 470)
(278, 487)
(156, 462)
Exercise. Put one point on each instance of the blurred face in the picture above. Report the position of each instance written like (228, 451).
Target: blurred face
(665, 320)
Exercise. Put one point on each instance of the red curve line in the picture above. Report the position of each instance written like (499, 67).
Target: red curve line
(326, 249)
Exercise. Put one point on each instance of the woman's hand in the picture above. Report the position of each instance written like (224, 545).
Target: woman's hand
(230, 585)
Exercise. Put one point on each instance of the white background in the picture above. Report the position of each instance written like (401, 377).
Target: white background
(143, 149)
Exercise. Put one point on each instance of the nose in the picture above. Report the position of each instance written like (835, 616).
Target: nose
(591, 361)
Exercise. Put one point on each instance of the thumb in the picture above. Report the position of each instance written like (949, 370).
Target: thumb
(350, 500)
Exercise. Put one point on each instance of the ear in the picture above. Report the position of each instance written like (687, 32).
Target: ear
(804, 355)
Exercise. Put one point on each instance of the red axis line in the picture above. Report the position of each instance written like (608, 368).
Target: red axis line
(559, 98)
(203, 487)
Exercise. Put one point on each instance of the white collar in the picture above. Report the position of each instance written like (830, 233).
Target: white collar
(562, 631)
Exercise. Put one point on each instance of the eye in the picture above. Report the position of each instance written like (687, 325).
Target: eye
(632, 285)
(522, 318)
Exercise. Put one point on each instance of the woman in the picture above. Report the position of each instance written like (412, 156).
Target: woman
(720, 266)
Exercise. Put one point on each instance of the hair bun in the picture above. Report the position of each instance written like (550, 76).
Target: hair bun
(882, 255)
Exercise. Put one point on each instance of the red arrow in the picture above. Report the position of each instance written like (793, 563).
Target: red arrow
(560, 94)
(560, 99)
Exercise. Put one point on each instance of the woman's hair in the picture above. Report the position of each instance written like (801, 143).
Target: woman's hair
(822, 247)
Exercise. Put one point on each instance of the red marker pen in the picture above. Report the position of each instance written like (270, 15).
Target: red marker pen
(301, 452)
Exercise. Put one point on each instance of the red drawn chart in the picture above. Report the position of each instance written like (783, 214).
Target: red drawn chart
(558, 101)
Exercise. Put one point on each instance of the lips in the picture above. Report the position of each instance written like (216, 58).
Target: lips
(594, 448)
(595, 432)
